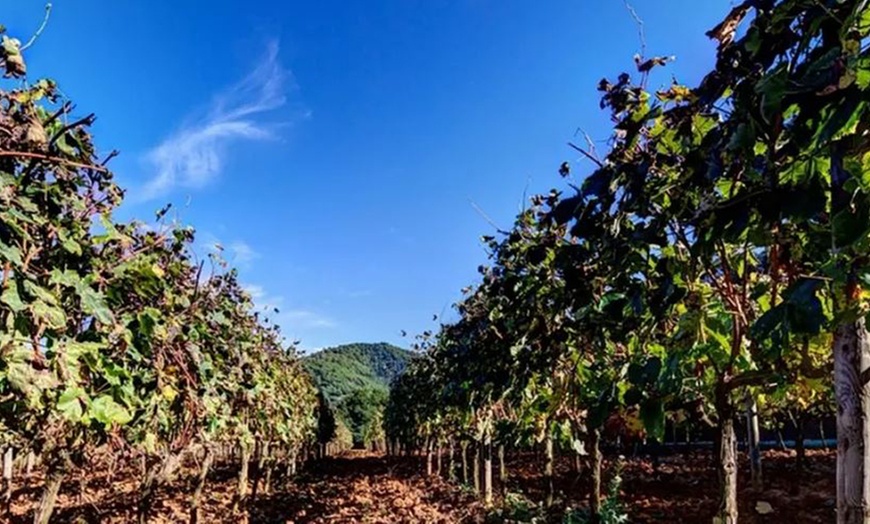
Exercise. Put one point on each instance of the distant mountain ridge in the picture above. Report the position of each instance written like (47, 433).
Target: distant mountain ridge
(355, 379)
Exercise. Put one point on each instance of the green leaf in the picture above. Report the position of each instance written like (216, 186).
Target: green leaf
(852, 225)
(20, 376)
(52, 315)
(66, 278)
(73, 352)
(772, 89)
(27, 205)
(743, 138)
(800, 313)
(148, 320)
(652, 413)
(11, 298)
(70, 245)
(41, 293)
(64, 146)
(863, 24)
(94, 304)
(104, 409)
(69, 404)
(114, 373)
(862, 71)
(10, 254)
(839, 121)
(608, 299)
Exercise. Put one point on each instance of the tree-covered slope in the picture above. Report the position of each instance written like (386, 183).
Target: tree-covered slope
(355, 380)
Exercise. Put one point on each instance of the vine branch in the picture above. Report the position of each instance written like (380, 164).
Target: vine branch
(41, 156)
(641, 33)
(585, 153)
(39, 31)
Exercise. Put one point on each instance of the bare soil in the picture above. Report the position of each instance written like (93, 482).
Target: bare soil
(366, 488)
(683, 488)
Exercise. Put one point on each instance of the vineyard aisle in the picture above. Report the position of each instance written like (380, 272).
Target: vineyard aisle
(362, 487)
(356, 487)
(678, 331)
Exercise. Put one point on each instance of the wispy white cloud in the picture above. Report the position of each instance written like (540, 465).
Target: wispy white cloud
(194, 155)
(296, 319)
(238, 253)
(256, 292)
(263, 300)
(293, 319)
(297, 324)
(242, 254)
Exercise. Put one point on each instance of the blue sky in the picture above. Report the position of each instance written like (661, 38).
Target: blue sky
(335, 148)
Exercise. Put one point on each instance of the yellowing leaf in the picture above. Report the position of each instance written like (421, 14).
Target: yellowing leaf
(169, 393)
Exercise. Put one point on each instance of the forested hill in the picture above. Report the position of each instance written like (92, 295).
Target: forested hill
(344, 369)
(355, 379)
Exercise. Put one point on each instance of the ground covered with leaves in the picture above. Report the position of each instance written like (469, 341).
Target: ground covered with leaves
(682, 487)
(358, 487)
(367, 488)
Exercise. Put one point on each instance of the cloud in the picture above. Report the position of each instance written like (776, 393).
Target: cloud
(256, 292)
(242, 254)
(238, 253)
(265, 302)
(194, 155)
(296, 319)
(293, 319)
(296, 323)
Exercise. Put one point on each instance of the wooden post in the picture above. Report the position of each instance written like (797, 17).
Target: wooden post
(463, 445)
(487, 469)
(502, 470)
(451, 464)
(197, 494)
(726, 466)
(594, 438)
(851, 364)
(851, 360)
(549, 459)
(476, 466)
(242, 488)
(8, 458)
(753, 442)
(57, 468)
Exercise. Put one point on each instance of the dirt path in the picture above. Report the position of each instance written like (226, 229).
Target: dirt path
(357, 488)
(372, 489)
(363, 488)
